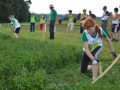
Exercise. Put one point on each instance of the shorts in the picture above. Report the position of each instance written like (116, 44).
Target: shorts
(114, 27)
(55, 28)
(71, 26)
(85, 59)
(42, 26)
(118, 27)
(17, 30)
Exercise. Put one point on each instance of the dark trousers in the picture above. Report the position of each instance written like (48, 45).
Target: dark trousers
(85, 59)
(32, 27)
(51, 29)
(104, 27)
(81, 29)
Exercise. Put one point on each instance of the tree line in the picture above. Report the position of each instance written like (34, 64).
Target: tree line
(20, 8)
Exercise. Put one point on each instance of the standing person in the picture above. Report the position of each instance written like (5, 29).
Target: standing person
(15, 26)
(42, 25)
(115, 22)
(118, 27)
(92, 45)
(54, 25)
(70, 23)
(82, 19)
(53, 21)
(92, 15)
(104, 19)
(33, 20)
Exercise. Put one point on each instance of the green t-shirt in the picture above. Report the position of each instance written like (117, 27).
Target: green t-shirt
(53, 15)
(12, 21)
(84, 38)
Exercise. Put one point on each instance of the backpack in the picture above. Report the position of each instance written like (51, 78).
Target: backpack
(74, 21)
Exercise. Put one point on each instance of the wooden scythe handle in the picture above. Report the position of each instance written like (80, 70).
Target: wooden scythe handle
(106, 69)
(100, 68)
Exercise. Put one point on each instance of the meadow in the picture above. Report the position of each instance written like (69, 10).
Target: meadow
(28, 63)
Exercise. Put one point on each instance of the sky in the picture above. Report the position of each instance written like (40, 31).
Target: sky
(77, 6)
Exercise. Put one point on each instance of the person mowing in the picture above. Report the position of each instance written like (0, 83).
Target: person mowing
(92, 38)
(15, 26)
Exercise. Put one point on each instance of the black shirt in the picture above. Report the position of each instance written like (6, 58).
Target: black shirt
(93, 16)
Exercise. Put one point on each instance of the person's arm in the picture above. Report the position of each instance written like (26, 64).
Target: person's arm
(111, 47)
(85, 45)
(107, 40)
(108, 14)
(116, 16)
(56, 20)
(107, 18)
(48, 20)
(56, 17)
(13, 25)
(109, 44)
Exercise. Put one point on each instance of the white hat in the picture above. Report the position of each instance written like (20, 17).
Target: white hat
(51, 5)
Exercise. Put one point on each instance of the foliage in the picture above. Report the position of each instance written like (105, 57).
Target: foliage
(19, 8)
(28, 63)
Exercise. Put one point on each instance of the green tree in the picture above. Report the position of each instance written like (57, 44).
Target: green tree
(19, 8)
(24, 11)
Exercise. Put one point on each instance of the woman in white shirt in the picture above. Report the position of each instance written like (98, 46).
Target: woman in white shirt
(115, 22)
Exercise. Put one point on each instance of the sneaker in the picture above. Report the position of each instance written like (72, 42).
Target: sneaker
(113, 39)
(93, 78)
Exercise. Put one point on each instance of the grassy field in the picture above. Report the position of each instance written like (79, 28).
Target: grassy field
(28, 63)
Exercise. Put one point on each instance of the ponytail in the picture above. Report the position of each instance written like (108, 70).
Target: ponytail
(99, 31)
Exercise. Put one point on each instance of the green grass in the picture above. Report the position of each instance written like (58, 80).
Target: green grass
(28, 63)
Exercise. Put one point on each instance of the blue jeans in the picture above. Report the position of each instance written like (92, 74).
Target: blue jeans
(51, 29)
(32, 27)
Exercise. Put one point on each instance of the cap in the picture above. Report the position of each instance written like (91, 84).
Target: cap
(51, 5)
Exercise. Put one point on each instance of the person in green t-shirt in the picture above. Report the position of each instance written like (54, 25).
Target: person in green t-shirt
(53, 20)
(92, 38)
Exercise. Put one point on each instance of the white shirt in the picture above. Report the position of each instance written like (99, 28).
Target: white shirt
(93, 42)
(105, 16)
(15, 23)
(116, 21)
